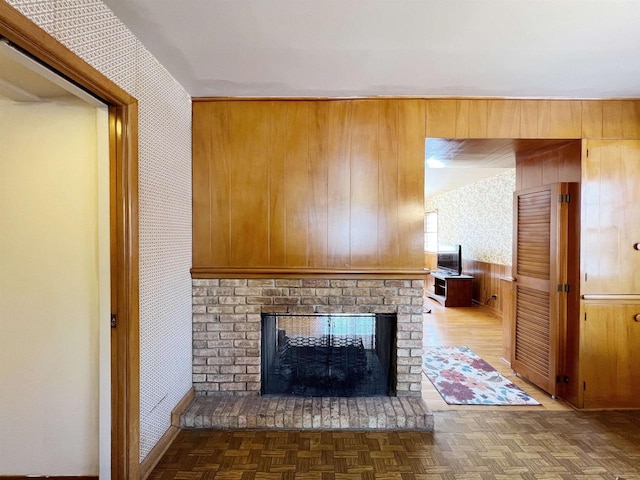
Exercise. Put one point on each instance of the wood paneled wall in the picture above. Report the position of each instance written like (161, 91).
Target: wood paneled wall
(486, 282)
(331, 186)
(430, 260)
(317, 186)
(476, 118)
(551, 165)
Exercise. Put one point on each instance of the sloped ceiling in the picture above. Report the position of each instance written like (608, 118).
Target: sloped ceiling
(503, 48)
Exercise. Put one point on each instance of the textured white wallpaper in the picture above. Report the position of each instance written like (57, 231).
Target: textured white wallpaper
(91, 30)
(479, 217)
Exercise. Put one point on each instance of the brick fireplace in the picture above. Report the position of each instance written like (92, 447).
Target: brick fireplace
(227, 324)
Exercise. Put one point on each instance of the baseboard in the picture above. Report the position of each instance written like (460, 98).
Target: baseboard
(160, 448)
(182, 405)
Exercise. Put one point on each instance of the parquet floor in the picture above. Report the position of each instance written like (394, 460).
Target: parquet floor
(465, 445)
(549, 442)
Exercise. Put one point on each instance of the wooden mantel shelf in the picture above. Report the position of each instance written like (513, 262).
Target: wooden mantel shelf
(366, 273)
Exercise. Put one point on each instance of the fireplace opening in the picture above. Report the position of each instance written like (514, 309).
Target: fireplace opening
(342, 355)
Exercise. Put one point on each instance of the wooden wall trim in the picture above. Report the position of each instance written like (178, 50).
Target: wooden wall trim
(612, 297)
(123, 154)
(372, 273)
(25, 34)
(404, 97)
(160, 448)
(181, 406)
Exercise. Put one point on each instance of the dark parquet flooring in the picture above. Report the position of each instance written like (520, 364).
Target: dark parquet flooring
(465, 445)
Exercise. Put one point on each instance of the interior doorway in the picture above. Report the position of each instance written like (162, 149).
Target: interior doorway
(535, 162)
(55, 299)
(24, 35)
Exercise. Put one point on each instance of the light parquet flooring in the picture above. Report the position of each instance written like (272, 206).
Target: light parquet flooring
(552, 442)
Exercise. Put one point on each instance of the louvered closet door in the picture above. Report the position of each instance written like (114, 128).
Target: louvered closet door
(538, 236)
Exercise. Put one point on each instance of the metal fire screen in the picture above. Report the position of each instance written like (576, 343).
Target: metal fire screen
(328, 355)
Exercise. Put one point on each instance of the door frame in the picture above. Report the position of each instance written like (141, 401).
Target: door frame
(123, 207)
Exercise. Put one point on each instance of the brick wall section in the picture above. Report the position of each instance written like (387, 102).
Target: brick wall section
(227, 324)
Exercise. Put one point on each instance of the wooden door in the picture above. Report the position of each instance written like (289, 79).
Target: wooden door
(540, 238)
(611, 217)
(610, 355)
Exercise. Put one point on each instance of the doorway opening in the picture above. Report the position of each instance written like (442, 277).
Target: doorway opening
(24, 35)
(474, 215)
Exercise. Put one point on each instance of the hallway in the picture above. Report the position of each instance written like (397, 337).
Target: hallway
(481, 332)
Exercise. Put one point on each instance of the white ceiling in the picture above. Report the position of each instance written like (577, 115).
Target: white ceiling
(348, 48)
(504, 48)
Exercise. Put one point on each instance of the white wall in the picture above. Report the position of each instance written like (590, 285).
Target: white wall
(95, 34)
(49, 289)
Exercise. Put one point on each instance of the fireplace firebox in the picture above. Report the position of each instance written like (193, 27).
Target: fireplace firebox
(342, 355)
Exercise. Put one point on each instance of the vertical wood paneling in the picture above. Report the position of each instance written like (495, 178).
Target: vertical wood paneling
(339, 184)
(411, 115)
(508, 320)
(248, 135)
(503, 119)
(570, 163)
(559, 119)
(318, 183)
(364, 184)
(611, 217)
(631, 119)
(486, 282)
(612, 123)
(530, 172)
(202, 120)
(559, 164)
(211, 206)
(315, 183)
(592, 119)
(297, 184)
(628, 216)
(590, 209)
(478, 118)
(388, 222)
(441, 118)
(276, 152)
(462, 118)
(529, 118)
(550, 169)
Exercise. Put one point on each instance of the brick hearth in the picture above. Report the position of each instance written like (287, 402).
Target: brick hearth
(327, 413)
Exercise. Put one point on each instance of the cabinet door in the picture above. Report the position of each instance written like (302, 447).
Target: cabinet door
(610, 356)
(611, 217)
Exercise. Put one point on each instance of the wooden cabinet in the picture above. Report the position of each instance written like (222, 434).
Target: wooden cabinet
(452, 290)
(608, 351)
(610, 355)
(610, 217)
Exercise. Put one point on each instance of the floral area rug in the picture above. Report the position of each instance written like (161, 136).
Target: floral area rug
(463, 378)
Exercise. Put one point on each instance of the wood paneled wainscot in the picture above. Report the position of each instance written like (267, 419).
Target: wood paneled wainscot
(308, 186)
